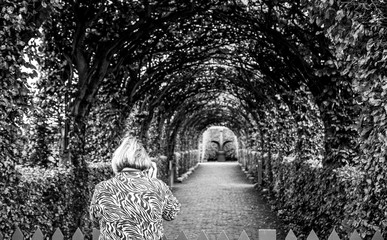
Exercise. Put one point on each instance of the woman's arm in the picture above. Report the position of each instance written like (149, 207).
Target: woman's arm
(172, 207)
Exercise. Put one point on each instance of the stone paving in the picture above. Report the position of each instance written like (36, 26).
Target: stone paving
(217, 197)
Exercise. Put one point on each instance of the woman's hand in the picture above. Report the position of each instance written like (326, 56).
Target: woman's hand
(152, 171)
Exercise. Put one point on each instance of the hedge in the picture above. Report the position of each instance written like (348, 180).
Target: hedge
(44, 199)
(309, 197)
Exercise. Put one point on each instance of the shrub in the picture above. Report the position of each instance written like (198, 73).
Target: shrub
(308, 198)
(44, 198)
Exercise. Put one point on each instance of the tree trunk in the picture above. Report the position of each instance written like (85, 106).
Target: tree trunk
(80, 171)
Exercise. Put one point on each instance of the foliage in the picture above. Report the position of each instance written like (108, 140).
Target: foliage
(162, 167)
(44, 127)
(307, 197)
(298, 82)
(156, 135)
(44, 199)
(40, 155)
(357, 30)
(103, 132)
(311, 198)
(14, 35)
(186, 160)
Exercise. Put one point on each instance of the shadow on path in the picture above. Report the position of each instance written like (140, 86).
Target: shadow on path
(217, 197)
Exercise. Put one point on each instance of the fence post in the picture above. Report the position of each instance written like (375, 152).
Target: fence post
(182, 236)
(333, 235)
(355, 236)
(58, 235)
(96, 234)
(312, 236)
(267, 234)
(244, 236)
(377, 236)
(222, 236)
(17, 235)
(38, 235)
(202, 236)
(78, 235)
(291, 235)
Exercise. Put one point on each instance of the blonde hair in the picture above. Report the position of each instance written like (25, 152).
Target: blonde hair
(130, 154)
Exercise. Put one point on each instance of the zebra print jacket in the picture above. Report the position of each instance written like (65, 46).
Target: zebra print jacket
(132, 206)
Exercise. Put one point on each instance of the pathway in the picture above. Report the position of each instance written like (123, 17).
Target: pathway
(217, 197)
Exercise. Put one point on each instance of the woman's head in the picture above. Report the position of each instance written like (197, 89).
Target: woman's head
(130, 154)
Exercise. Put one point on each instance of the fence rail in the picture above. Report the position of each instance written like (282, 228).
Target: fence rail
(263, 234)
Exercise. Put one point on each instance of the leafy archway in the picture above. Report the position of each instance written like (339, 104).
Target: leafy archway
(283, 75)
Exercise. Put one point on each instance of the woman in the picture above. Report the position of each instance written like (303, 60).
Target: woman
(132, 204)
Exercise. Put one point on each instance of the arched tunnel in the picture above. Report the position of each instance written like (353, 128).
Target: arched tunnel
(280, 75)
(253, 67)
(262, 69)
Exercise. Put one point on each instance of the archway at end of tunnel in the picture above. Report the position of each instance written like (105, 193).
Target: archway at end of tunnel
(219, 144)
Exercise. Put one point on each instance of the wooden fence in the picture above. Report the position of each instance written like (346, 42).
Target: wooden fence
(263, 234)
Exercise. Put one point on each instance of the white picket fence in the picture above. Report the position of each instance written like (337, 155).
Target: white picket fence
(263, 234)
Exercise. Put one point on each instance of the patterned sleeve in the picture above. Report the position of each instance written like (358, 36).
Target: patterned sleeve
(172, 207)
(95, 208)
